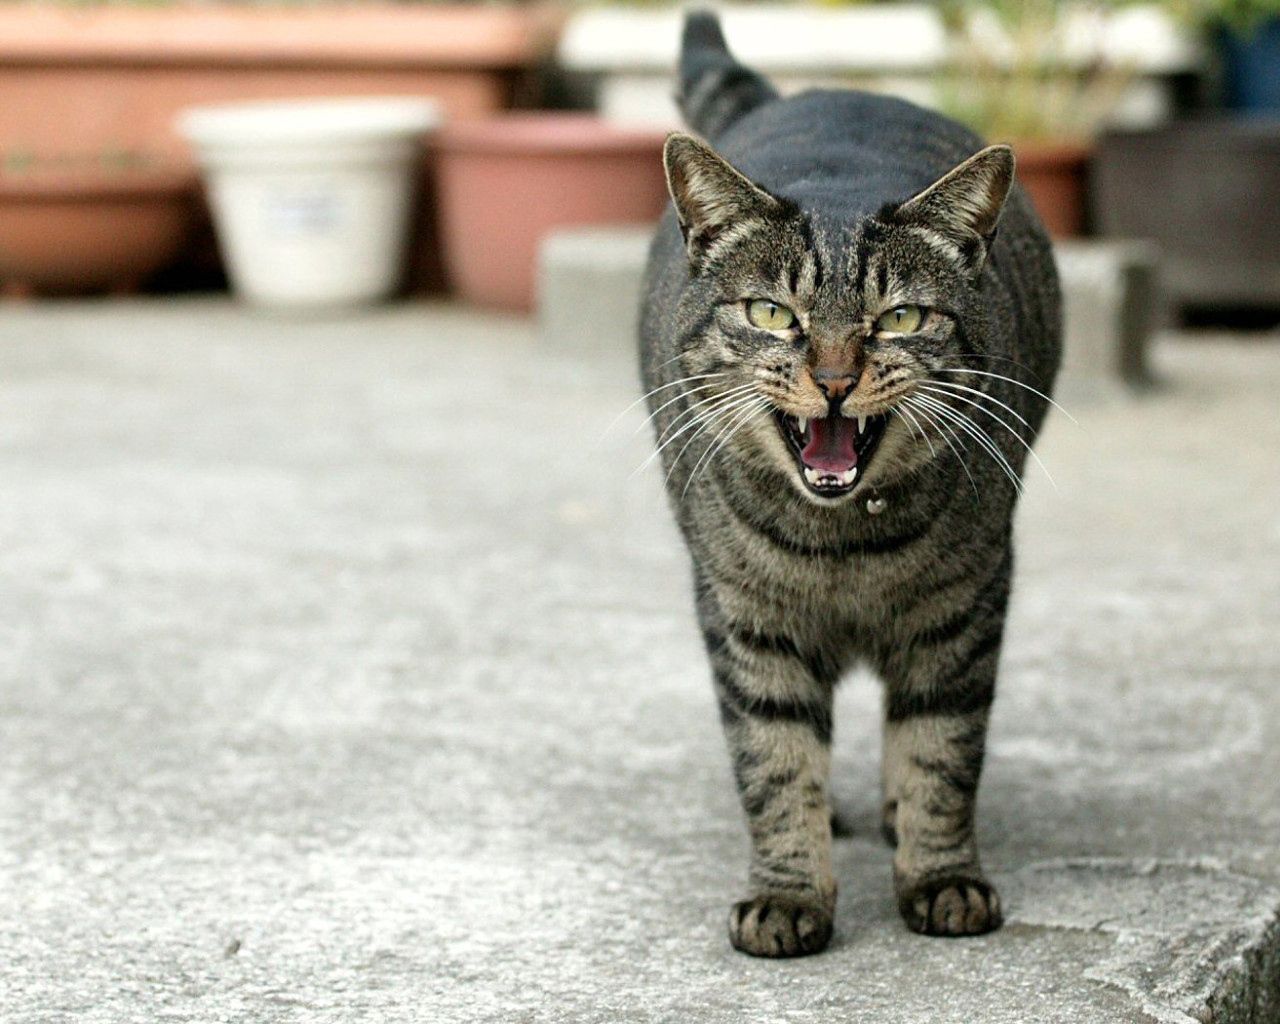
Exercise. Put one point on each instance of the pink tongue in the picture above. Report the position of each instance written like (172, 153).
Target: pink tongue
(830, 445)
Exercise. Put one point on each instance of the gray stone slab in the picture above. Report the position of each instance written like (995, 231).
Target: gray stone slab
(348, 674)
(590, 284)
(1113, 305)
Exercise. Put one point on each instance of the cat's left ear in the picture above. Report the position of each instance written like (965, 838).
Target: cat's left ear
(963, 206)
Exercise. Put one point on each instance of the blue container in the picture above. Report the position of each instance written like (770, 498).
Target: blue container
(1251, 66)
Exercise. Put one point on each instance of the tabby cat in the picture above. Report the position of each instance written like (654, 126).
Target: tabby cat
(846, 365)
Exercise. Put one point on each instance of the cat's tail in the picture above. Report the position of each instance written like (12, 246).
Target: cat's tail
(715, 90)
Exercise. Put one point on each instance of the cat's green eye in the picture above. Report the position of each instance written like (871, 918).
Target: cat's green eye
(769, 316)
(901, 320)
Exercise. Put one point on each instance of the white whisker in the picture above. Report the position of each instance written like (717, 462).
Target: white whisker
(971, 428)
(723, 438)
(915, 425)
(710, 411)
(999, 359)
(700, 404)
(647, 394)
(713, 422)
(985, 441)
(672, 401)
(704, 412)
(981, 394)
(987, 412)
(667, 362)
(1016, 383)
(947, 434)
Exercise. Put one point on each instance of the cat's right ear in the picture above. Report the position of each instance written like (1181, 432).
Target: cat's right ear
(713, 199)
(962, 207)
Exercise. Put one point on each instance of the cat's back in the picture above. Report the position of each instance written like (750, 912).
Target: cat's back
(845, 151)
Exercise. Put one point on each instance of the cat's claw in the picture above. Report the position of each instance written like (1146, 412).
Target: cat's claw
(775, 925)
(951, 906)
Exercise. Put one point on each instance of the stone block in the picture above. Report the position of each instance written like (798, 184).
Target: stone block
(589, 287)
(1112, 306)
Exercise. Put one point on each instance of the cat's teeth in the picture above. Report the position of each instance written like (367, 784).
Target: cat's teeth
(804, 424)
(815, 476)
(862, 424)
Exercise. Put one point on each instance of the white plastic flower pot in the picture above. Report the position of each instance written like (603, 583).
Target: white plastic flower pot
(311, 198)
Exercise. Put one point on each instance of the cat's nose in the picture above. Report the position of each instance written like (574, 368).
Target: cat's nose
(835, 384)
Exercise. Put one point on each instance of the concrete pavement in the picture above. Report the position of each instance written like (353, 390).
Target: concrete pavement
(346, 675)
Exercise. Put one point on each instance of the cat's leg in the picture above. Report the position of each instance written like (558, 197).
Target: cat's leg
(776, 708)
(938, 698)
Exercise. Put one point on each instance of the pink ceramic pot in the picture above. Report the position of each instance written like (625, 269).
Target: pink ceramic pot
(504, 183)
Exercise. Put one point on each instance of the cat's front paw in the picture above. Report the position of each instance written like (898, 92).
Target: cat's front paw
(950, 906)
(780, 925)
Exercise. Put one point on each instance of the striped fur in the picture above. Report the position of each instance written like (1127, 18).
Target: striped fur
(824, 203)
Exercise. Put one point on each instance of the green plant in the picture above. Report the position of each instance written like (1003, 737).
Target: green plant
(1031, 69)
(1243, 17)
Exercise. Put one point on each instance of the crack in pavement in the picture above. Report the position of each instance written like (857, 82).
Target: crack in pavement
(1194, 941)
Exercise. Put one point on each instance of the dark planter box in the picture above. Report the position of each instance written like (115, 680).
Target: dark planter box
(1206, 192)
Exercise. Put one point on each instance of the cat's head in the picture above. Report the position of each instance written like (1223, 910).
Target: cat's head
(824, 329)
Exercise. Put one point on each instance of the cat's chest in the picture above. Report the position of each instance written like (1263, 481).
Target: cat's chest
(781, 577)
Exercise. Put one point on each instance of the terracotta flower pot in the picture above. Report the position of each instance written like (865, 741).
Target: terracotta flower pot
(1055, 177)
(503, 184)
(96, 76)
(85, 231)
(117, 75)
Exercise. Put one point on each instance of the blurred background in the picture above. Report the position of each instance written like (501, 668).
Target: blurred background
(1145, 133)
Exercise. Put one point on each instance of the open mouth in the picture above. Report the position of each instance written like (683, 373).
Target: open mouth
(832, 451)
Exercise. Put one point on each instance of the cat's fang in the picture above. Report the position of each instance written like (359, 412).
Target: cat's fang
(829, 451)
